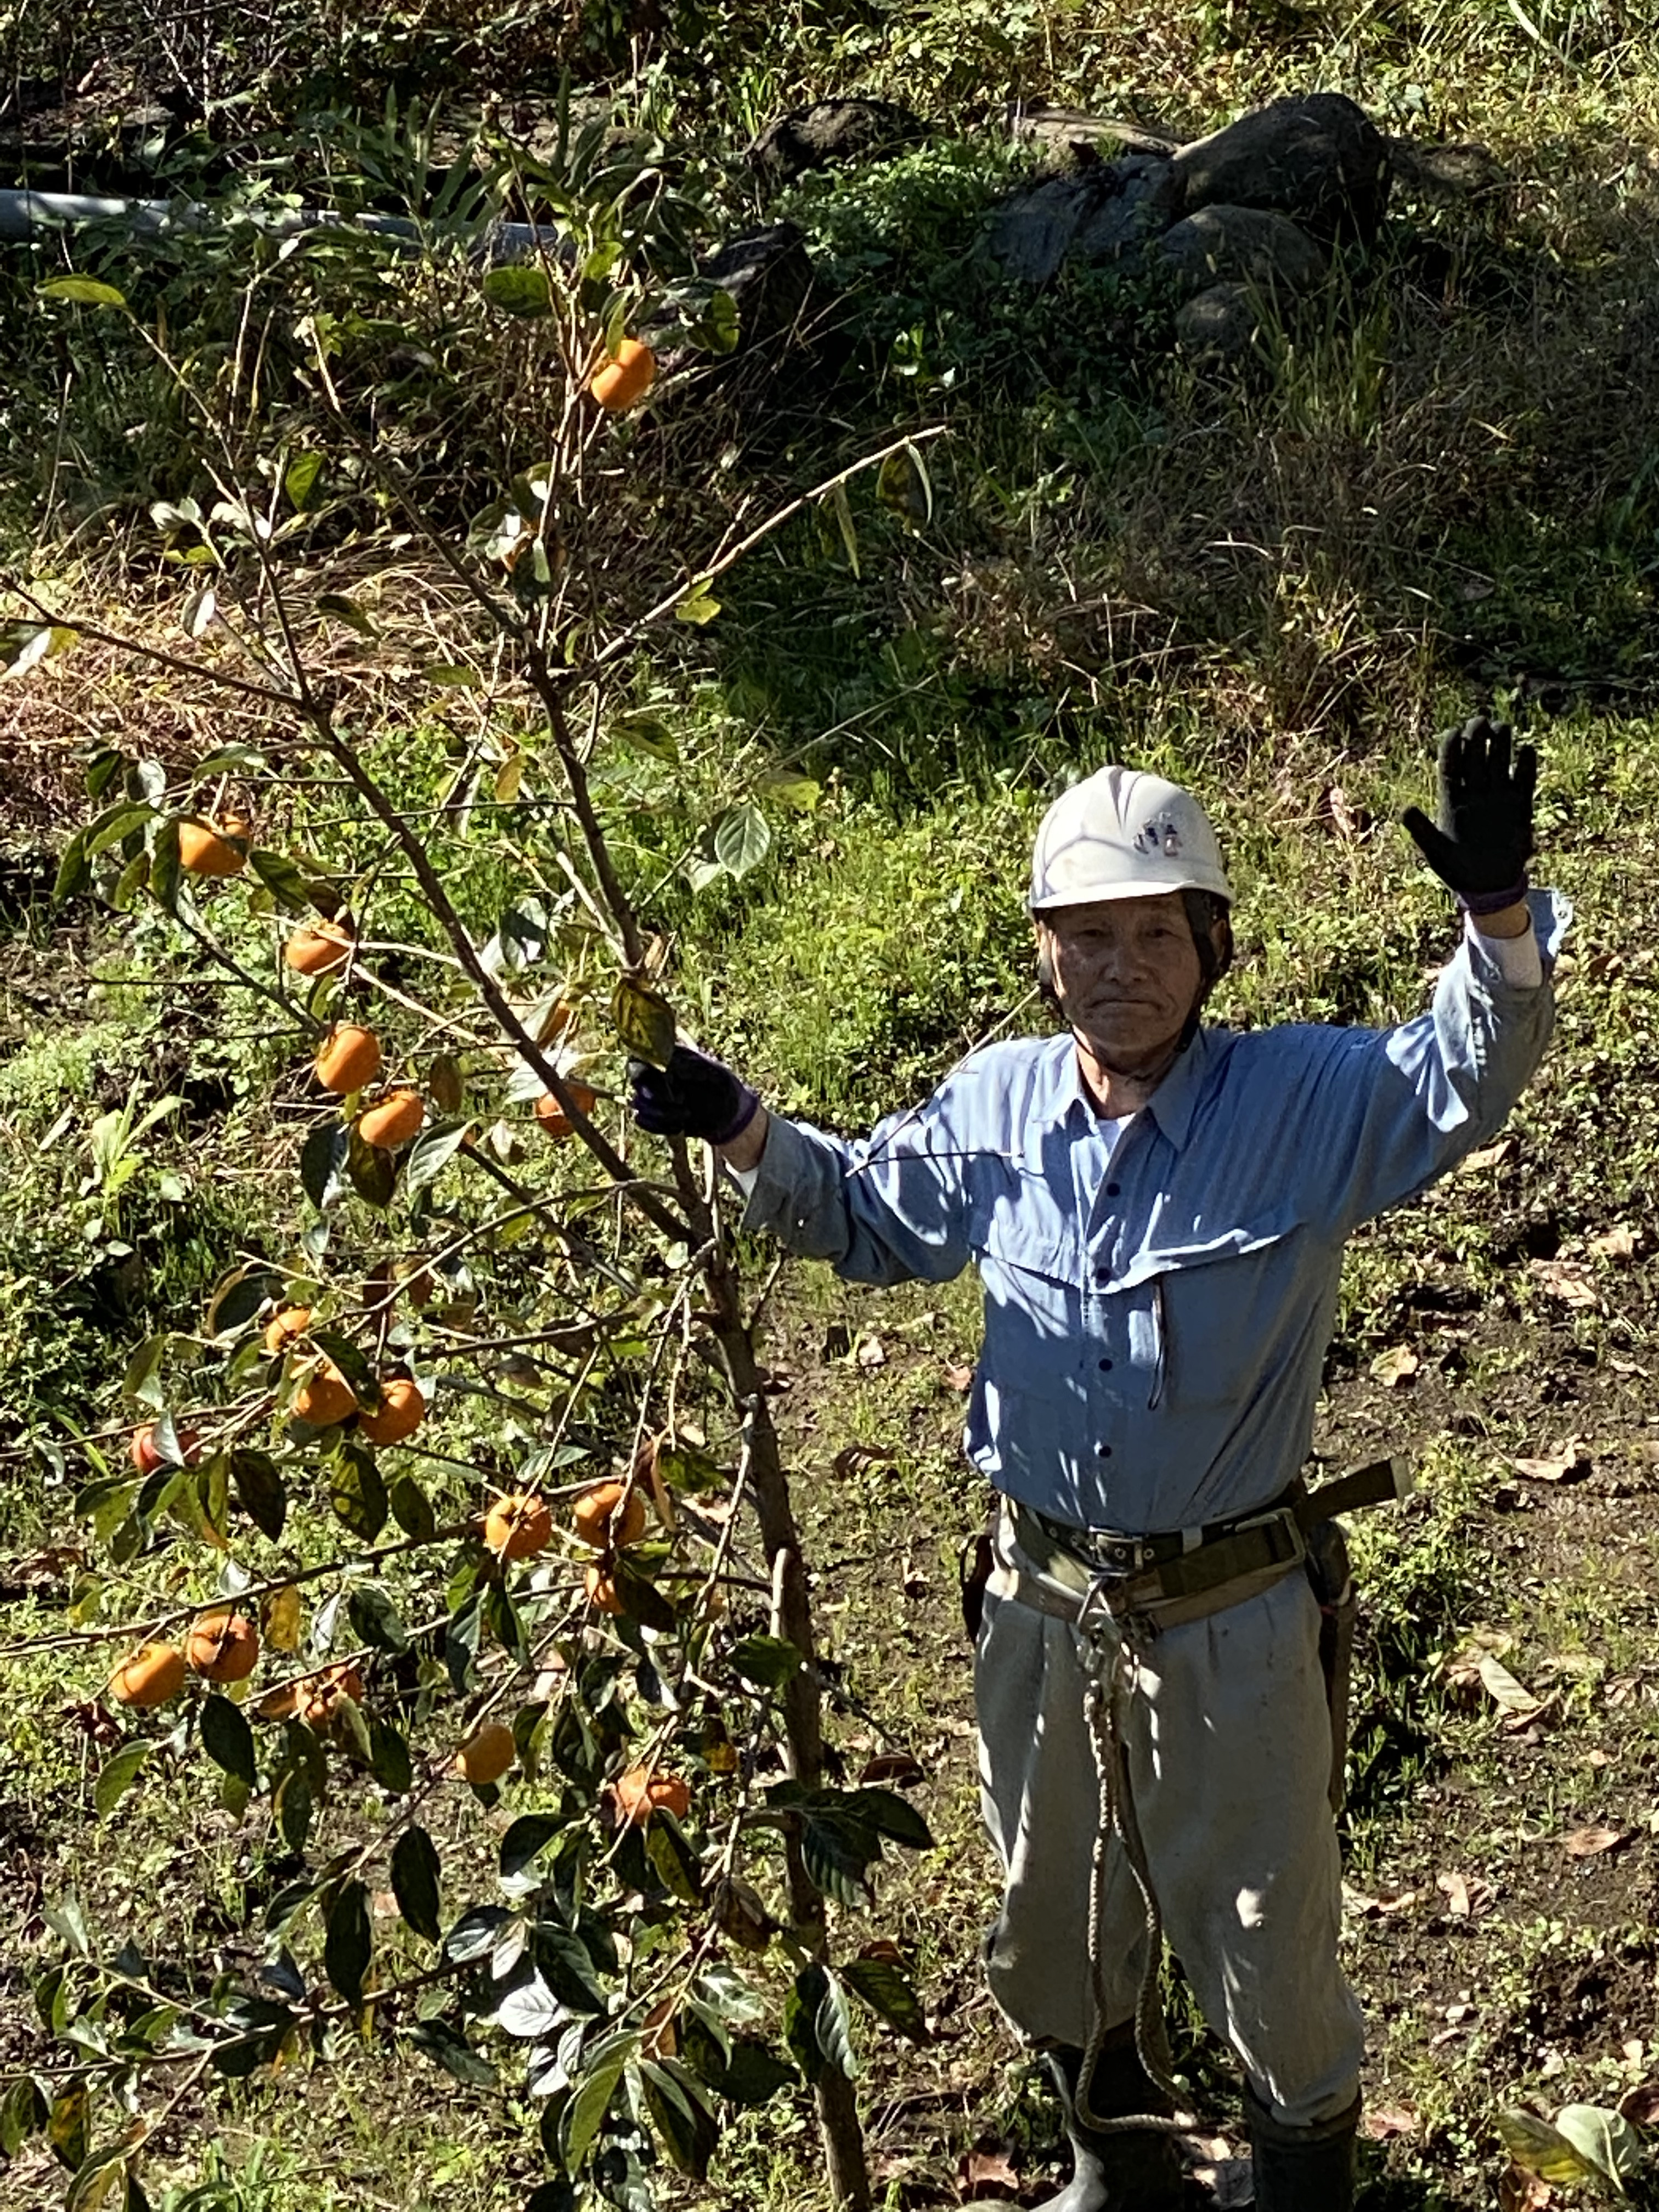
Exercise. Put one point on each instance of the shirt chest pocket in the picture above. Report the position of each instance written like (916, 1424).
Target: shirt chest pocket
(1034, 1267)
(1220, 1310)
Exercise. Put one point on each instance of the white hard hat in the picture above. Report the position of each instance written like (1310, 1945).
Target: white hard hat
(1120, 833)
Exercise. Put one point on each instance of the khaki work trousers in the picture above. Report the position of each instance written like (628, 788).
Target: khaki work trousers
(1228, 1741)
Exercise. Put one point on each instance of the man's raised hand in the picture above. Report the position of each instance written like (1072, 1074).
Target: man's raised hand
(694, 1096)
(1482, 840)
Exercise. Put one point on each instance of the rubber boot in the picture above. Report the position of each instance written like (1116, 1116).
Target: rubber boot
(1140, 2172)
(1302, 2169)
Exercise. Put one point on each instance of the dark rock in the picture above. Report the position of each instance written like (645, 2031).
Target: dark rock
(834, 131)
(1218, 326)
(1317, 158)
(1252, 246)
(1031, 233)
(1140, 199)
(1107, 213)
(768, 274)
(1465, 171)
(1070, 135)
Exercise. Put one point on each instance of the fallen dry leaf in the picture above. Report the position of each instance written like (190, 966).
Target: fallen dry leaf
(1376, 1908)
(1513, 1698)
(1618, 1243)
(1640, 2106)
(981, 2172)
(1568, 1280)
(890, 1767)
(1570, 1456)
(872, 1353)
(959, 1378)
(1395, 1366)
(1455, 1891)
(857, 1459)
(1384, 2121)
(1590, 1843)
(1520, 2192)
(93, 1720)
(1353, 821)
(1491, 1156)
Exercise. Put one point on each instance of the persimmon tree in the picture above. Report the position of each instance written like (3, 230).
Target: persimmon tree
(466, 1480)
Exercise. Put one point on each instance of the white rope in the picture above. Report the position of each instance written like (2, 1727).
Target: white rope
(1111, 1665)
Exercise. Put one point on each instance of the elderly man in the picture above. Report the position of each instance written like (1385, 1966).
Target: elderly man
(1157, 1210)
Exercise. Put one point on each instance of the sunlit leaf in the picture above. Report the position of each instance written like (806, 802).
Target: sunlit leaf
(281, 1615)
(1531, 2141)
(300, 477)
(83, 291)
(699, 605)
(1605, 2140)
(644, 1021)
(518, 289)
(904, 486)
(743, 838)
(585, 2114)
(116, 1777)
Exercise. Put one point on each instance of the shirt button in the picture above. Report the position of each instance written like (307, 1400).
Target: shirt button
(1113, 1189)
(1104, 1451)
(1105, 1366)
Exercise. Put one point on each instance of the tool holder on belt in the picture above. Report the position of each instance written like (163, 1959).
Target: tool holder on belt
(1120, 1592)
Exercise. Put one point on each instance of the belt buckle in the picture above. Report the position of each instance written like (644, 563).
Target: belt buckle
(1118, 1555)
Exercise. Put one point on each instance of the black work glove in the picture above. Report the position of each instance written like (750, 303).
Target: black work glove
(694, 1096)
(1480, 846)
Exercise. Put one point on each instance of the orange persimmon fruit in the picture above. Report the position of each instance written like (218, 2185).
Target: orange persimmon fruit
(644, 1790)
(517, 1527)
(206, 848)
(392, 1121)
(597, 1522)
(487, 1754)
(402, 1409)
(324, 1398)
(623, 378)
(317, 950)
(223, 1646)
(349, 1058)
(144, 1457)
(554, 1121)
(148, 1676)
(286, 1328)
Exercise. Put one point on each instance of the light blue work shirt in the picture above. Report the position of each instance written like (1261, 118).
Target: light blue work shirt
(1157, 1312)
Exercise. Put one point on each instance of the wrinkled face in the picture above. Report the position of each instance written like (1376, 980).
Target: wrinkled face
(1127, 973)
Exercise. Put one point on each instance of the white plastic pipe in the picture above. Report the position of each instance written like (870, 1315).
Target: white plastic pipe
(25, 216)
